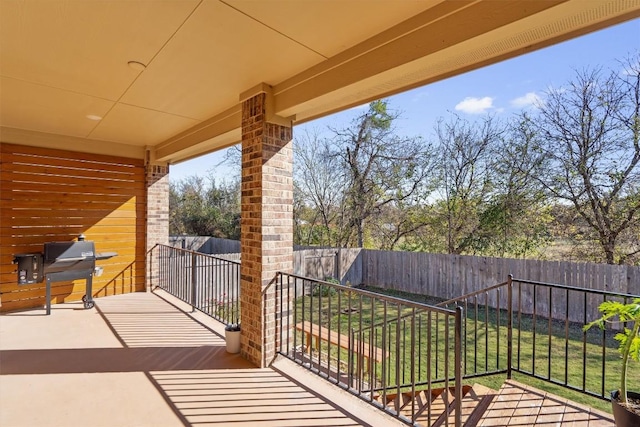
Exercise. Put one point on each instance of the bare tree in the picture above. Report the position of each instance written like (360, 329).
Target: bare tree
(320, 189)
(381, 167)
(590, 144)
(516, 219)
(396, 224)
(465, 162)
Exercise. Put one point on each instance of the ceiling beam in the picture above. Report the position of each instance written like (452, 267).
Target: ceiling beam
(213, 134)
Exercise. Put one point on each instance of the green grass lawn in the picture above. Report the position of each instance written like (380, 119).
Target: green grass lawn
(556, 350)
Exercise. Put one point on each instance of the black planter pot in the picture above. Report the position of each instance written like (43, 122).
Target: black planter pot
(621, 415)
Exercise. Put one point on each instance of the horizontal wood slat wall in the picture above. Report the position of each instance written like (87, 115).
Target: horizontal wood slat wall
(53, 195)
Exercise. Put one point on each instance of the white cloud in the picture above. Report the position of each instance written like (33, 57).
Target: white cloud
(528, 100)
(471, 105)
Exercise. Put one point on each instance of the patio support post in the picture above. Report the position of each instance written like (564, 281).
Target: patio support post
(157, 206)
(267, 220)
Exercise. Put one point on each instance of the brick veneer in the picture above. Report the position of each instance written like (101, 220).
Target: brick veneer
(157, 180)
(267, 224)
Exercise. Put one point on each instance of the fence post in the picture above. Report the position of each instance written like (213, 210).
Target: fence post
(194, 281)
(458, 367)
(509, 325)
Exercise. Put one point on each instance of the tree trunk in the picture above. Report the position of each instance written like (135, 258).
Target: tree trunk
(609, 251)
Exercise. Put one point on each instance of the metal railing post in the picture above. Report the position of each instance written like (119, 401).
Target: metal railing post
(194, 281)
(509, 324)
(458, 367)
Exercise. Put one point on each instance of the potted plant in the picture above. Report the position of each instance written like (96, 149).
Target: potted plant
(232, 337)
(626, 404)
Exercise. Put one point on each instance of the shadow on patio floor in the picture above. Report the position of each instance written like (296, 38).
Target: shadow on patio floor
(141, 360)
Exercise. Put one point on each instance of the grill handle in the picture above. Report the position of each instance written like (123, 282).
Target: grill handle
(79, 258)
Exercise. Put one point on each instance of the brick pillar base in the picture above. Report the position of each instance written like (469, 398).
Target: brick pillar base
(267, 224)
(157, 179)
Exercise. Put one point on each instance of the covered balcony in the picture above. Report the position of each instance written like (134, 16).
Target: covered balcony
(100, 98)
(344, 356)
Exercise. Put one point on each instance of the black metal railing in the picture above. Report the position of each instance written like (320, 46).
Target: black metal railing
(210, 284)
(549, 342)
(535, 329)
(388, 351)
(486, 343)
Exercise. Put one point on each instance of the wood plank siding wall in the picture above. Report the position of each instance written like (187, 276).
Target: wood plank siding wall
(53, 195)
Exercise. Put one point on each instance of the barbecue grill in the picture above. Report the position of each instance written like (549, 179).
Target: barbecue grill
(62, 261)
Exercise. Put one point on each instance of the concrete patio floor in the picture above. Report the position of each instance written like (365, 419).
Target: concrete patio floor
(138, 360)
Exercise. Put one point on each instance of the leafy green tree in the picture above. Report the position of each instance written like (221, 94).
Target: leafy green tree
(201, 207)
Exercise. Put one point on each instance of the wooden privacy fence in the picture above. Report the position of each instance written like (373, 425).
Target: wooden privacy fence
(449, 276)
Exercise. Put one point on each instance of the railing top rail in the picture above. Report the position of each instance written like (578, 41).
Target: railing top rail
(575, 288)
(189, 251)
(394, 300)
(472, 294)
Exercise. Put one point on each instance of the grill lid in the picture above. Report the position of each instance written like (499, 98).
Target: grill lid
(55, 251)
(65, 256)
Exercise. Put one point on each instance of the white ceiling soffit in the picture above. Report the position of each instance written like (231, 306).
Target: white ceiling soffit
(64, 63)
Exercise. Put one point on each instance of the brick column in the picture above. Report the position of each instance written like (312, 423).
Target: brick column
(267, 224)
(157, 180)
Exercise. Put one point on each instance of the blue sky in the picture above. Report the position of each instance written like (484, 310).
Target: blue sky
(502, 89)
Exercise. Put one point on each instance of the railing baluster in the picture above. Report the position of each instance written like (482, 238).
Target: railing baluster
(373, 343)
(194, 281)
(486, 332)
(384, 350)
(339, 330)
(320, 296)
(361, 346)
(412, 361)
(584, 344)
(509, 325)
(457, 367)
(498, 315)
(550, 316)
(475, 335)
(397, 379)
(535, 329)
(447, 374)
(429, 362)
(566, 338)
(604, 352)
